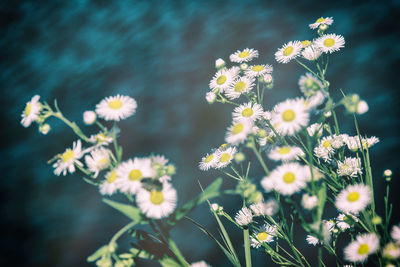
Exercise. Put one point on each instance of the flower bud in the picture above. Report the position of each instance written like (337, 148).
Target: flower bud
(268, 78)
(44, 128)
(210, 97)
(239, 157)
(323, 27)
(362, 107)
(244, 66)
(171, 170)
(89, 117)
(388, 172)
(377, 220)
(219, 63)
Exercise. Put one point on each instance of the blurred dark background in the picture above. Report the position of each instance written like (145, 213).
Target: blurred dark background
(162, 53)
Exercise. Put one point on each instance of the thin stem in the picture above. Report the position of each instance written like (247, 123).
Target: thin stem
(259, 157)
(122, 231)
(247, 252)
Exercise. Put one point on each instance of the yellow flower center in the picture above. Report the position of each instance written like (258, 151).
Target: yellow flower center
(209, 158)
(320, 20)
(288, 115)
(115, 104)
(156, 197)
(244, 54)
(67, 155)
(221, 80)
(225, 157)
(135, 175)
(101, 138)
(103, 163)
(240, 86)
(288, 51)
(247, 112)
(223, 145)
(258, 68)
(262, 236)
(238, 128)
(28, 109)
(326, 144)
(289, 177)
(329, 42)
(363, 249)
(284, 150)
(305, 43)
(353, 196)
(112, 177)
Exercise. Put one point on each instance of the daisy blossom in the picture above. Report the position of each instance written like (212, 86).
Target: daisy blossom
(330, 43)
(258, 70)
(67, 160)
(288, 178)
(285, 153)
(264, 235)
(109, 187)
(321, 21)
(31, 111)
(353, 199)
(116, 108)
(244, 56)
(240, 86)
(249, 111)
(98, 160)
(363, 246)
(238, 132)
(288, 51)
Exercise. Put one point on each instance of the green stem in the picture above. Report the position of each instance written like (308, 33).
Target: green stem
(259, 157)
(247, 253)
(72, 125)
(122, 231)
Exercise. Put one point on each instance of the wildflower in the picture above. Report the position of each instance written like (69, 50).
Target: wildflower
(249, 111)
(325, 150)
(362, 107)
(321, 21)
(290, 116)
(267, 183)
(89, 117)
(288, 178)
(208, 161)
(330, 43)
(98, 160)
(44, 128)
(238, 132)
(219, 63)
(244, 217)
(309, 202)
(311, 52)
(315, 100)
(225, 156)
(67, 160)
(31, 111)
(344, 221)
(315, 129)
(288, 51)
(210, 97)
(244, 56)
(327, 228)
(109, 187)
(157, 204)
(100, 139)
(363, 246)
(391, 251)
(265, 235)
(286, 153)
(240, 86)
(395, 234)
(258, 70)
(349, 167)
(116, 108)
(316, 173)
(223, 79)
(353, 199)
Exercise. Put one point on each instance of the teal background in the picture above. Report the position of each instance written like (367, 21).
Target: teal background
(162, 53)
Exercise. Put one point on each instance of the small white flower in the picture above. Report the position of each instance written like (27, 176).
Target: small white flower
(244, 56)
(315, 129)
(100, 139)
(249, 111)
(157, 204)
(353, 199)
(330, 43)
(391, 251)
(68, 159)
(395, 234)
(238, 132)
(267, 183)
(89, 117)
(31, 111)
(44, 128)
(349, 167)
(109, 187)
(116, 108)
(268, 78)
(327, 227)
(244, 217)
(210, 97)
(224, 156)
(258, 70)
(321, 21)
(219, 63)
(362, 107)
(363, 246)
(98, 160)
(286, 153)
(309, 202)
(240, 86)
(265, 235)
(290, 116)
(223, 79)
(288, 178)
(208, 161)
(288, 51)
(311, 52)
(325, 150)
(343, 221)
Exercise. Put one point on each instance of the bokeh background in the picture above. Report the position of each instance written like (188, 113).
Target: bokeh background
(162, 53)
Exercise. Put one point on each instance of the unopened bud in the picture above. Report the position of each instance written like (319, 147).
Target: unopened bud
(239, 157)
(377, 220)
(362, 107)
(219, 63)
(171, 170)
(89, 117)
(44, 128)
(244, 66)
(210, 97)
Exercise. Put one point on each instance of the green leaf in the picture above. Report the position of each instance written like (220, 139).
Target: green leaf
(213, 190)
(98, 253)
(321, 201)
(169, 262)
(128, 210)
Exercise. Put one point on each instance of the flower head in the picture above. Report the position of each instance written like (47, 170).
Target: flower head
(353, 199)
(264, 235)
(245, 55)
(363, 246)
(240, 86)
(116, 108)
(321, 21)
(67, 160)
(31, 111)
(288, 51)
(244, 217)
(330, 43)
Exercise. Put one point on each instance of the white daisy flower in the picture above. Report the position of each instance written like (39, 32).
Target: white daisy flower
(288, 51)
(315, 100)
(98, 160)
(309, 202)
(238, 132)
(343, 221)
(109, 186)
(337, 141)
(391, 251)
(249, 111)
(267, 183)
(368, 142)
(157, 204)
(395, 233)
(265, 235)
(244, 216)
(100, 139)
(309, 84)
(31, 111)
(324, 150)
(116, 108)
(288, 178)
(315, 129)
(353, 199)
(268, 208)
(330, 43)
(200, 264)
(258, 70)
(327, 228)
(321, 21)
(225, 156)
(349, 167)
(244, 56)
(223, 79)
(240, 86)
(311, 52)
(68, 159)
(131, 172)
(290, 116)
(208, 161)
(286, 153)
(363, 246)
